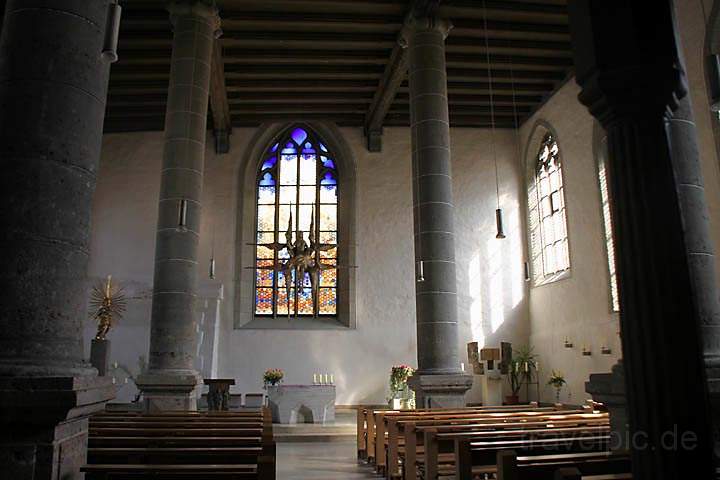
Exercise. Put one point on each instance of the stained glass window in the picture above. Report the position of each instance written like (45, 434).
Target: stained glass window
(547, 218)
(608, 226)
(297, 191)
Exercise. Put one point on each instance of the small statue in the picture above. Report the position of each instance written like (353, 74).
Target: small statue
(107, 302)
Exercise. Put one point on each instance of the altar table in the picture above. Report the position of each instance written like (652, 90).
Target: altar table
(302, 403)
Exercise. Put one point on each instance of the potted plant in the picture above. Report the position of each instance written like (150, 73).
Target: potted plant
(557, 381)
(272, 377)
(527, 362)
(514, 378)
(400, 394)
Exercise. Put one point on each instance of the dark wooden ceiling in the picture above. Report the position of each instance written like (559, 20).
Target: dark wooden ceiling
(327, 59)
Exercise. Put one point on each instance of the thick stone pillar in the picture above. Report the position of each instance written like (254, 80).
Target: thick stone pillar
(701, 256)
(171, 379)
(439, 380)
(53, 87)
(629, 67)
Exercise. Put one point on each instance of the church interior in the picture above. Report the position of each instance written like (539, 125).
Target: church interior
(349, 239)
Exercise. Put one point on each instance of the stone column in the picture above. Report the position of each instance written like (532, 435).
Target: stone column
(694, 214)
(632, 75)
(171, 379)
(53, 88)
(439, 380)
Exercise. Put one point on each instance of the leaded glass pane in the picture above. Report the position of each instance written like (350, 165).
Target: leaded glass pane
(328, 301)
(328, 278)
(328, 194)
(308, 194)
(266, 218)
(328, 217)
(288, 170)
(264, 277)
(328, 237)
(266, 195)
(308, 170)
(263, 301)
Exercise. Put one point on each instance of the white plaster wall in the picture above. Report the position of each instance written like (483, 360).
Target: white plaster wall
(578, 307)
(491, 288)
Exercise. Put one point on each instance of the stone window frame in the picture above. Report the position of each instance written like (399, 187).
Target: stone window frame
(537, 135)
(244, 278)
(600, 154)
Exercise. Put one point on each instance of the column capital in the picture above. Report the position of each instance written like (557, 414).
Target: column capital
(413, 25)
(196, 8)
(627, 59)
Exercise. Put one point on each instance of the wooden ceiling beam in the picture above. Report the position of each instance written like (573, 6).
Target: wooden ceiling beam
(219, 107)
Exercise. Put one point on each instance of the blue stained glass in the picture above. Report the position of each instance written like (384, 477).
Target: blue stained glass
(328, 179)
(308, 150)
(289, 149)
(267, 180)
(269, 163)
(323, 148)
(274, 148)
(299, 135)
(327, 162)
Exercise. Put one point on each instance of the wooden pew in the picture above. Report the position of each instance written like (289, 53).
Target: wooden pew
(540, 465)
(446, 444)
(124, 445)
(398, 433)
(376, 420)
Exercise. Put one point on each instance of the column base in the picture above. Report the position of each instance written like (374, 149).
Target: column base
(440, 390)
(44, 424)
(609, 389)
(164, 392)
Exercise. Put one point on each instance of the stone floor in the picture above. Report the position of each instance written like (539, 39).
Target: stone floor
(320, 461)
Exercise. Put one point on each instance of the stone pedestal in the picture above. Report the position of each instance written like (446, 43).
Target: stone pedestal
(293, 403)
(44, 423)
(171, 392)
(609, 389)
(100, 355)
(440, 391)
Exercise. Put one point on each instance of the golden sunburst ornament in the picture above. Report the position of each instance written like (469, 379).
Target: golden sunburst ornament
(107, 302)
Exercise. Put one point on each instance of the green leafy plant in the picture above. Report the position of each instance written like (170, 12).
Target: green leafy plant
(557, 381)
(399, 375)
(272, 376)
(514, 377)
(526, 361)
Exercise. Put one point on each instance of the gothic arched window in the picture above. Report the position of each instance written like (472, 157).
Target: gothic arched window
(548, 222)
(297, 198)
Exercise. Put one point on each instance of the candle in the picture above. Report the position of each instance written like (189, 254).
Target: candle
(462, 366)
(126, 379)
(526, 366)
(332, 379)
(107, 286)
(113, 380)
(315, 378)
(326, 378)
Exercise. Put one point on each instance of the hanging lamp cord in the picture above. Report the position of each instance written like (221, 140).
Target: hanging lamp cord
(492, 104)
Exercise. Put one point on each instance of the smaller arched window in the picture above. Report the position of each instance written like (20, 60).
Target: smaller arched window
(547, 217)
(608, 225)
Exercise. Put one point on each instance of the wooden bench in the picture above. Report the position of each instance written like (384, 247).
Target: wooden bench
(125, 471)
(482, 456)
(375, 420)
(125, 445)
(401, 430)
(538, 466)
(443, 449)
(366, 420)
